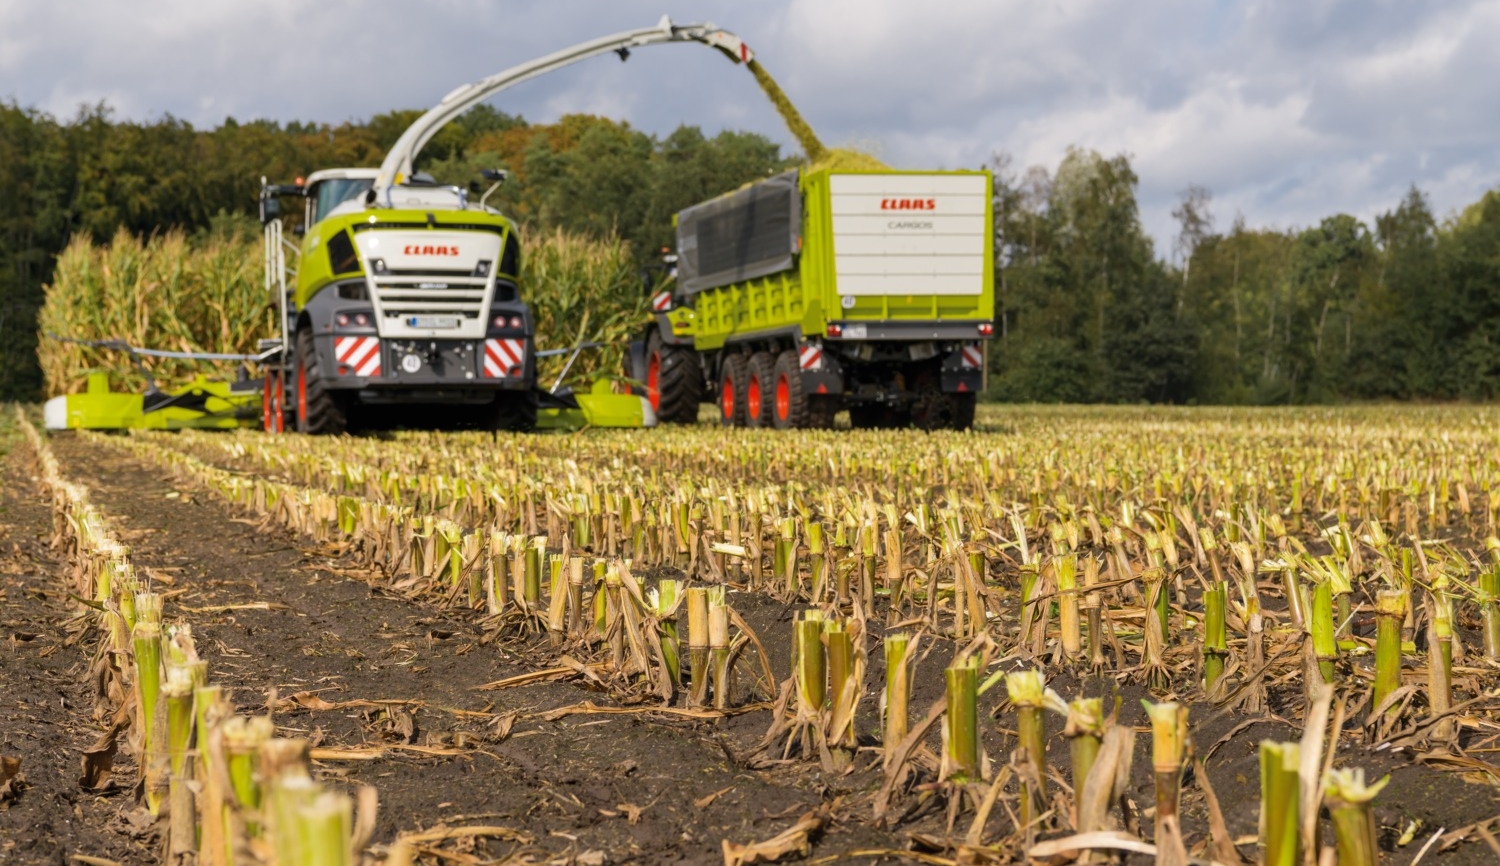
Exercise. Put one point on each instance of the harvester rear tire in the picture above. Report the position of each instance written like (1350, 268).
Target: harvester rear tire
(732, 378)
(318, 409)
(514, 411)
(760, 403)
(674, 381)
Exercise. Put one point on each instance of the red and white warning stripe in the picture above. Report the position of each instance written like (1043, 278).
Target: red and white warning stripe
(662, 302)
(504, 358)
(972, 357)
(811, 357)
(357, 356)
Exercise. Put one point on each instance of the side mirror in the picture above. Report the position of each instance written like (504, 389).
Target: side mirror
(270, 208)
(495, 175)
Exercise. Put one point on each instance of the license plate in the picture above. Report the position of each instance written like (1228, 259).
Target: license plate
(856, 332)
(433, 322)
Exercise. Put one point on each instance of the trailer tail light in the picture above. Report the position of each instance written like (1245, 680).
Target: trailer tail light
(361, 319)
(512, 322)
(342, 320)
(515, 322)
(835, 330)
(986, 329)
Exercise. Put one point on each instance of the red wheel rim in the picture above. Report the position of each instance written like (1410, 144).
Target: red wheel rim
(783, 397)
(726, 399)
(265, 404)
(653, 381)
(752, 397)
(301, 394)
(278, 408)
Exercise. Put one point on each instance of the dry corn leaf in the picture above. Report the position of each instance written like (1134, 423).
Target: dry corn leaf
(11, 780)
(796, 839)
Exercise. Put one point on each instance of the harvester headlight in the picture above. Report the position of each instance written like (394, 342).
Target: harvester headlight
(378, 266)
(342, 320)
(361, 319)
(483, 268)
(515, 322)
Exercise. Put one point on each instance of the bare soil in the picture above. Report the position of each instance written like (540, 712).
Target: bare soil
(290, 626)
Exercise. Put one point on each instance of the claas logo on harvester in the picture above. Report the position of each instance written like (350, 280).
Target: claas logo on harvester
(428, 250)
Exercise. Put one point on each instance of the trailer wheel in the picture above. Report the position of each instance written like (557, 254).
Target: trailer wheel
(318, 412)
(760, 390)
(791, 406)
(674, 382)
(513, 410)
(732, 377)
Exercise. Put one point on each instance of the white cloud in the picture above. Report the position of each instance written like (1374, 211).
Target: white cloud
(1288, 111)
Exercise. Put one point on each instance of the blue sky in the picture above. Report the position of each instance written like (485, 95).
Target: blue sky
(1286, 111)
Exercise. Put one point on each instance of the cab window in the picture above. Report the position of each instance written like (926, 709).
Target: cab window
(329, 194)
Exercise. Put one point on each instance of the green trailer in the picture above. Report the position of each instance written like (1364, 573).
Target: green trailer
(816, 291)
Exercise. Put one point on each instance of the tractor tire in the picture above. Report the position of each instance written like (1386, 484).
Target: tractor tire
(674, 381)
(514, 411)
(732, 376)
(319, 411)
(760, 403)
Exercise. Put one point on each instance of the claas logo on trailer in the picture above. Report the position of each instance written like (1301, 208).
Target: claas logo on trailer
(428, 250)
(908, 204)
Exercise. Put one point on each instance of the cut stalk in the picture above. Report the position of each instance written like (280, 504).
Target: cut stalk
(811, 666)
(1067, 601)
(242, 738)
(1349, 804)
(718, 646)
(697, 608)
(323, 831)
(671, 642)
(1027, 690)
(1084, 732)
(1489, 606)
(1168, 755)
(146, 639)
(1440, 657)
(840, 679)
(897, 689)
(1325, 641)
(1280, 803)
(1215, 637)
(962, 679)
(1390, 613)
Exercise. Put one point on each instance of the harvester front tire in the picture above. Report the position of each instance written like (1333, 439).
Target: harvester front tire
(318, 410)
(514, 411)
(760, 390)
(732, 376)
(674, 381)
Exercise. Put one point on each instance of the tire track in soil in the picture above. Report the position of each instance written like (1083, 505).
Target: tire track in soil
(46, 700)
(563, 782)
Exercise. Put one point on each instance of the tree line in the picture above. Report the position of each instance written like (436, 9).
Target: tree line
(1086, 309)
(1406, 309)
